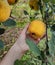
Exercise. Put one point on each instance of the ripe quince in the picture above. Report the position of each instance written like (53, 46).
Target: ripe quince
(11, 2)
(5, 11)
(37, 29)
(34, 4)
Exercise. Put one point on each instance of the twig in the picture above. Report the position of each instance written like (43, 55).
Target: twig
(41, 7)
(46, 20)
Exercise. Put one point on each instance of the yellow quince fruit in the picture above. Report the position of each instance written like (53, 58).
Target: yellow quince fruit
(11, 2)
(5, 11)
(37, 29)
(34, 4)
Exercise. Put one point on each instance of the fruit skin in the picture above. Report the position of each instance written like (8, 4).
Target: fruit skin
(37, 29)
(11, 1)
(34, 4)
(5, 11)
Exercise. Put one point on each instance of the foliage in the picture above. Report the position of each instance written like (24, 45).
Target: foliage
(45, 12)
(9, 22)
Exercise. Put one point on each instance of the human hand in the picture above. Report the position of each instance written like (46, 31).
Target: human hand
(21, 39)
(18, 49)
(36, 41)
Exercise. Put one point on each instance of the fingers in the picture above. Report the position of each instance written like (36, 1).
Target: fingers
(36, 41)
(25, 29)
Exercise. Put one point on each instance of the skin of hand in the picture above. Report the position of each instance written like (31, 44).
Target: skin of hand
(22, 41)
(17, 50)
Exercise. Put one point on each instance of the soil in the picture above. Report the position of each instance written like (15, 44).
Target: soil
(9, 38)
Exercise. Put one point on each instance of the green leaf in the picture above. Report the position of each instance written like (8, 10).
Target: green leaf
(33, 47)
(50, 60)
(1, 44)
(18, 62)
(51, 44)
(51, 48)
(46, 1)
(44, 64)
(53, 27)
(2, 30)
(9, 22)
(25, 12)
(42, 45)
(52, 1)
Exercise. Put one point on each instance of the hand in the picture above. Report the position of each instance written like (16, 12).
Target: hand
(21, 40)
(17, 50)
(36, 41)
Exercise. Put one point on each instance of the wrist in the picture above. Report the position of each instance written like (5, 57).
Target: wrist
(16, 52)
(13, 54)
